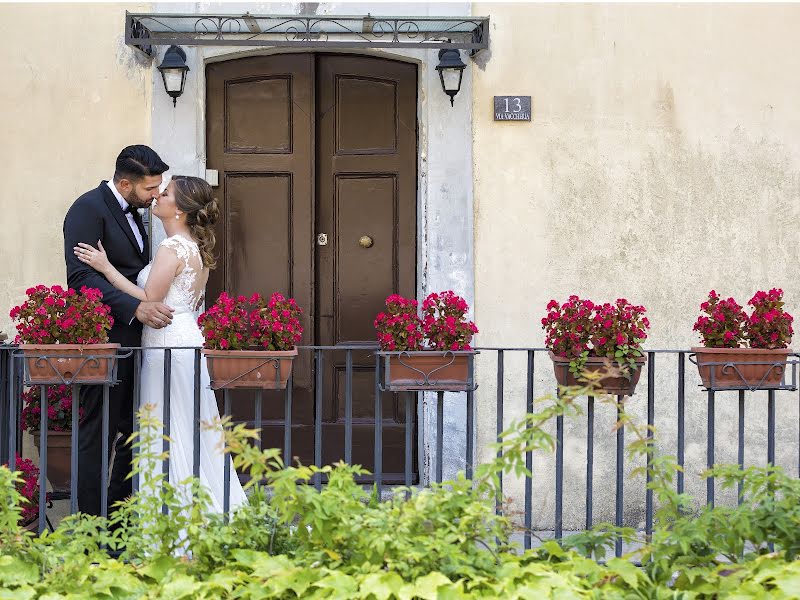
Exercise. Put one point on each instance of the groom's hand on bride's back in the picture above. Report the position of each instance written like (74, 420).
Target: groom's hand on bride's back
(154, 314)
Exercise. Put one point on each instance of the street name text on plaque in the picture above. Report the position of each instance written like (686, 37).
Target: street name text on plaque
(512, 108)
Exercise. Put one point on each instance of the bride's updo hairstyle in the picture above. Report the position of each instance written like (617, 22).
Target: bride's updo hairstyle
(196, 199)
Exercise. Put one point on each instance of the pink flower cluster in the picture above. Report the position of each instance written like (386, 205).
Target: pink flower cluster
(442, 326)
(59, 408)
(28, 488)
(444, 322)
(579, 328)
(276, 326)
(769, 326)
(53, 315)
(399, 328)
(239, 323)
(725, 324)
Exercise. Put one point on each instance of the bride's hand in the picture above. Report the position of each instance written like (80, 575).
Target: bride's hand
(94, 257)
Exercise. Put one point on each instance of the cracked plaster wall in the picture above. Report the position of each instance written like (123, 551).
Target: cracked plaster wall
(661, 162)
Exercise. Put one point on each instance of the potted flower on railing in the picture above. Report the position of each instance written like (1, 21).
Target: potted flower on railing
(59, 428)
(251, 343)
(599, 338)
(28, 487)
(63, 335)
(431, 352)
(724, 326)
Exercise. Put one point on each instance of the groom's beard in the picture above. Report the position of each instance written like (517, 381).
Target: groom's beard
(134, 201)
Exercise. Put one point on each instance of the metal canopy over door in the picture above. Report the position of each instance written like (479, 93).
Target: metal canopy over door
(311, 144)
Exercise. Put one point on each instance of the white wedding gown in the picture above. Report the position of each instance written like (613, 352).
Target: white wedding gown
(185, 296)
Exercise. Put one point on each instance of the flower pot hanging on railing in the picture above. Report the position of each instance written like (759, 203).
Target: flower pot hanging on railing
(724, 326)
(428, 353)
(251, 343)
(612, 379)
(59, 434)
(63, 337)
(585, 338)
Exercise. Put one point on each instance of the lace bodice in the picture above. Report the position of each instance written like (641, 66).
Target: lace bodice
(185, 296)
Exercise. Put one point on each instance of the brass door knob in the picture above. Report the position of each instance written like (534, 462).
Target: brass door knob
(365, 241)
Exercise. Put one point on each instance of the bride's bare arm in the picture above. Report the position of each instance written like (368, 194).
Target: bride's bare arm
(165, 268)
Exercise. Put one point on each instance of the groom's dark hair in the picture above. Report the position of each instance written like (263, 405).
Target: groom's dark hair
(135, 162)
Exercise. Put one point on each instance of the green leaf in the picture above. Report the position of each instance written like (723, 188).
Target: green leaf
(381, 585)
(629, 572)
(427, 587)
(14, 571)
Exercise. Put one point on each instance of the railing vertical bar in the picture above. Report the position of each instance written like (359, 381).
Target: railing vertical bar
(681, 418)
(470, 415)
(12, 412)
(43, 458)
(348, 408)
(318, 418)
(17, 400)
(741, 445)
(529, 455)
(259, 418)
(559, 476)
(196, 431)
(620, 483)
(378, 449)
(166, 416)
(439, 435)
(226, 477)
(771, 428)
(499, 425)
(409, 438)
(710, 449)
(73, 459)
(287, 422)
(651, 382)
(137, 402)
(589, 461)
(3, 404)
(104, 455)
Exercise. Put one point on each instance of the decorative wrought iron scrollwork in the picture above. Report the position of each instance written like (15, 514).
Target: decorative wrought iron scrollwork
(307, 31)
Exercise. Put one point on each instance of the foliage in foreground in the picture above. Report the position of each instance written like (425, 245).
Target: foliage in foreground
(293, 541)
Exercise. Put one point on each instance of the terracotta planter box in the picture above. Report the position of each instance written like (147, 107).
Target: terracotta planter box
(264, 369)
(70, 363)
(59, 455)
(428, 370)
(732, 371)
(614, 385)
(33, 526)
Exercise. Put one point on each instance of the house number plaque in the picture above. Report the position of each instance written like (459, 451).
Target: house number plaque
(512, 108)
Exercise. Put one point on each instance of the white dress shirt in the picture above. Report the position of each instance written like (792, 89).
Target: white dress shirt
(124, 204)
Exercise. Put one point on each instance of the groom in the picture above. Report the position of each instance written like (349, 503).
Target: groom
(108, 213)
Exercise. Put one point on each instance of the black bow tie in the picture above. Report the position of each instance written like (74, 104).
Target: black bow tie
(127, 209)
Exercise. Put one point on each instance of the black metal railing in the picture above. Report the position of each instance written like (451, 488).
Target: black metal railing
(513, 389)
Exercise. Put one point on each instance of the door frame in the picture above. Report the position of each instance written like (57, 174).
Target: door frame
(444, 197)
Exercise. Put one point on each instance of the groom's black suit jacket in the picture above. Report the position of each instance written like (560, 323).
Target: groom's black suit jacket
(97, 215)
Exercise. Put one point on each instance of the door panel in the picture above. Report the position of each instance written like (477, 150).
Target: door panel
(366, 186)
(309, 144)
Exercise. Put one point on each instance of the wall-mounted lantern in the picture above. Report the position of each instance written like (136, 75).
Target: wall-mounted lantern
(173, 71)
(451, 70)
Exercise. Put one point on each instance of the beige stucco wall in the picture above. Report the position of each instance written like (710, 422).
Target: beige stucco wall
(73, 95)
(662, 161)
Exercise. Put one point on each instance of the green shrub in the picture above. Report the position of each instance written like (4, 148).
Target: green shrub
(294, 541)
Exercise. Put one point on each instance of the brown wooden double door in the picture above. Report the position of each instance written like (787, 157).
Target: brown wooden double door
(317, 163)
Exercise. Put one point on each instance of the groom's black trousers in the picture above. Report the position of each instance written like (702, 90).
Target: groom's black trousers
(120, 427)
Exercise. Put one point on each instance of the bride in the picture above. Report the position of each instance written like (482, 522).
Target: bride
(177, 276)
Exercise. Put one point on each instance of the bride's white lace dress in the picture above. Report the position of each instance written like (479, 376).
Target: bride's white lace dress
(185, 297)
